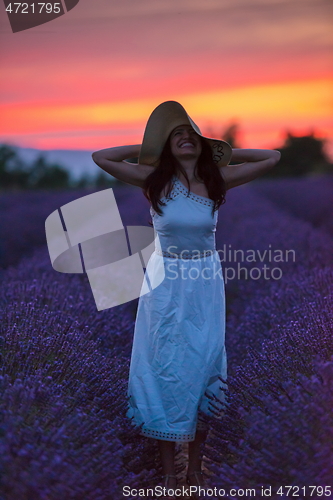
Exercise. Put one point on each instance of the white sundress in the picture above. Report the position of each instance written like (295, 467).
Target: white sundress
(178, 349)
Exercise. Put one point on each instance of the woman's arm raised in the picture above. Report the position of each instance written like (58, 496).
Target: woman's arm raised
(111, 160)
(256, 163)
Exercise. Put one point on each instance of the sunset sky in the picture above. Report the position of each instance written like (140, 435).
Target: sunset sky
(90, 79)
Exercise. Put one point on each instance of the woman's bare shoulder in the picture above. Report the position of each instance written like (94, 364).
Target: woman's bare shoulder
(165, 189)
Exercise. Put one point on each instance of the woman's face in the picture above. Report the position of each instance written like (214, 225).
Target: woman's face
(185, 143)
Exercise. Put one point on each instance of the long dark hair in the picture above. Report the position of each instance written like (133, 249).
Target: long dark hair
(206, 170)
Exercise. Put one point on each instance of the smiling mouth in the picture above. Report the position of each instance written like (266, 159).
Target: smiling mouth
(187, 144)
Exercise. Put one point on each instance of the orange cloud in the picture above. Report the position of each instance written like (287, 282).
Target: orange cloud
(281, 105)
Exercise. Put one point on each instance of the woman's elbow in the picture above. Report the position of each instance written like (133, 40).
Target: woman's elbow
(277, 156)
(274, 159)
(96, 157)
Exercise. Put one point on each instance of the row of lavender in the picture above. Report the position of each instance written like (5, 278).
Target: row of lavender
(23, 214)
(65, 369)
(278, 426)
(63, 377)
(309, 198)
(63, 390)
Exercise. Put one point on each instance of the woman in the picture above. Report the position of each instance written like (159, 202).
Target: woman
(178, 348)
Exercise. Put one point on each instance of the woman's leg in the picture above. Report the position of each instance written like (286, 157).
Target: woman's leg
(167, 453)
(194, 458)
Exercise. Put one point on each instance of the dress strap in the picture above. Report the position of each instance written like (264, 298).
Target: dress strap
(180, 188)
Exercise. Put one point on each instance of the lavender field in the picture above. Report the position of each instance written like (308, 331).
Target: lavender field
(64, 365)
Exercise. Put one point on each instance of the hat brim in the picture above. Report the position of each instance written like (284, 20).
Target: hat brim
(163, 120)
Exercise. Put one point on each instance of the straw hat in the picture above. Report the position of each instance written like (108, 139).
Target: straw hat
(166, 117)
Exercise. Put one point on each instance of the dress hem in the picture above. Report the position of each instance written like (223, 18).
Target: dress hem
(186, 438)
(168, 436)
(174, 436)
